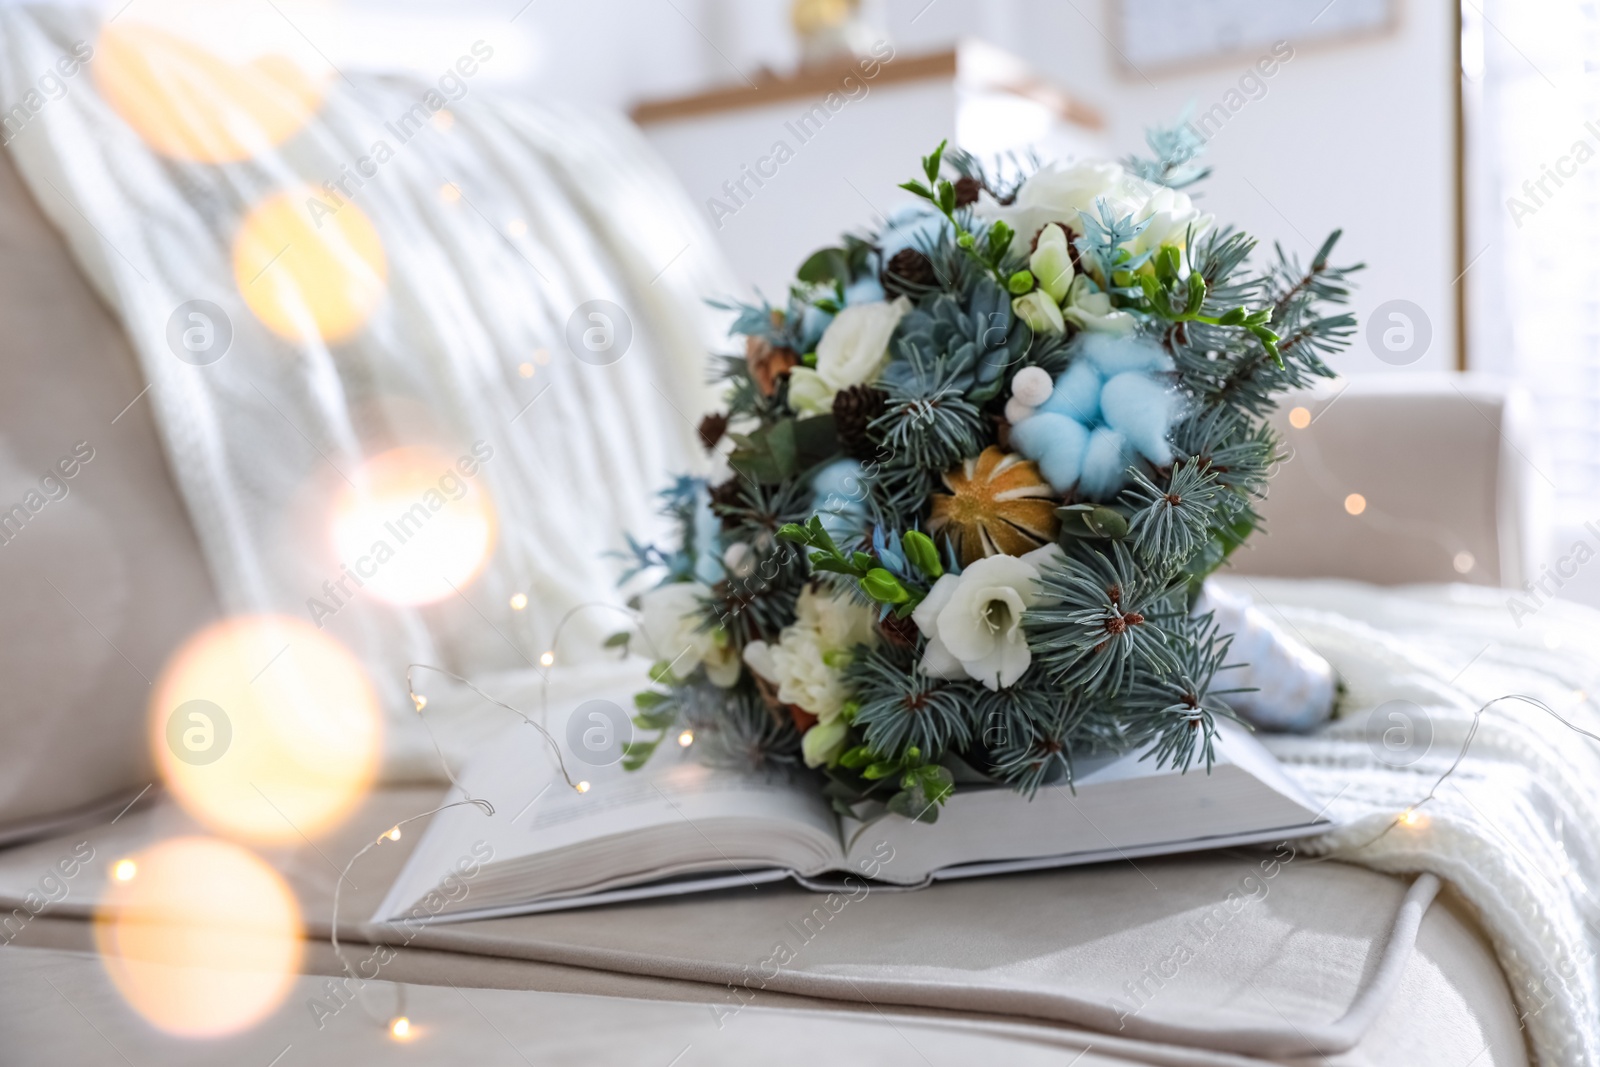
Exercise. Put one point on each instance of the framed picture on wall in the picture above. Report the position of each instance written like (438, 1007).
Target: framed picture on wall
(1161, 36)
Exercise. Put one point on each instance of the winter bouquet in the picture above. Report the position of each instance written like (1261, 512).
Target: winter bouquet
(972, 477)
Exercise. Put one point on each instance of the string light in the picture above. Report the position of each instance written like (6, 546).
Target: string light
(582, 787)
(686, 739)
(1413, 818)
(400, 1028)
(1355, 503)
(526, 370)
(519, 601)
(419, 700)
(125, 870)
(393, 834)
(449, 192)
(1300, 418)
(547, 659)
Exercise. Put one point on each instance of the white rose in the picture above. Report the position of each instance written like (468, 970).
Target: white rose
(1056, 194)
(1091, 310)
(808, 393)
(674, 627)
(973, 621)
(1170, 216)
(853, 351)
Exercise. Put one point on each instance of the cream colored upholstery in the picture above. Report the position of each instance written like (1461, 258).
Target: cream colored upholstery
(990, 955)
(1453, 485)
(101, 584)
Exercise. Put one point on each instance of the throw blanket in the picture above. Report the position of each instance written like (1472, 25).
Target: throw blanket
(1516, 828)
(460, 234)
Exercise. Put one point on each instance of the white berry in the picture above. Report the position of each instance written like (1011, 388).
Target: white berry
(739, 559)
(1016, 411)
(1032, 386)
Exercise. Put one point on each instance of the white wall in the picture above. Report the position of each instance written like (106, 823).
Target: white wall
(1355, 135)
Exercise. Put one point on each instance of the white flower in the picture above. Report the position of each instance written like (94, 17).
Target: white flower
(855, 346)
(807, 660)
(808, 393)
(973, 621)
(674, 626)
(1056, 194)
(796, 664)
(853, 351)
(824, 741)
(1171, 216)
(840, 624)
(1039, 312)
(1051, 262)
(1091, 310)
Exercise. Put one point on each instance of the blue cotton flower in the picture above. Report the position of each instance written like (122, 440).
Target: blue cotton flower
(838, 496)
(1056, 443)
(912, 226)
(813, 321)
(706, 537)
(1114, 354)
(866, 289)
(1113, 404)
(1077, 393)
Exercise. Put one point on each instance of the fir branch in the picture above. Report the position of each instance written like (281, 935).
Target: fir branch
(900, 708)
(1101, 620)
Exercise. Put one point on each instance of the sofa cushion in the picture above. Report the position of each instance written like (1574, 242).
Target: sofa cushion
(101, 573)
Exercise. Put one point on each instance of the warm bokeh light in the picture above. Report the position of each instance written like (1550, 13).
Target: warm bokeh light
(284, 734)
(400, 1028)
(1463, 562)
(308, 267)
(413, 527)
(188, 102)
(125, 870)
(1299, 418)
(519, 601)
(1355, 503)
(204, 942)
(686, 739)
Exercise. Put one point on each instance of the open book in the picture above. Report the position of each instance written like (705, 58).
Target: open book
(678, 826)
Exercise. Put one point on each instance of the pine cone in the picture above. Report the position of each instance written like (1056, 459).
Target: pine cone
(967, 190)
(724, 498)
(712, 427)
(853, 411)
(909, 272)
(902, 632)
(768, 362)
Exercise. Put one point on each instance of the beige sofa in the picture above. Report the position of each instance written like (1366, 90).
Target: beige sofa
(104, 581)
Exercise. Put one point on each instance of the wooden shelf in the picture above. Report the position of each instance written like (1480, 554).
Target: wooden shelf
(974, 64)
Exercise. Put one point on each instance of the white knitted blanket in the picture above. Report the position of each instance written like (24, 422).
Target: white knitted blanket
(499, 218)
(1516, 828)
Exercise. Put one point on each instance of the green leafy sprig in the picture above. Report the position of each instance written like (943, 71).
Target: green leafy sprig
(991, 251)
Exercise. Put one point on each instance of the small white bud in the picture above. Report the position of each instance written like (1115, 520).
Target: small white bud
(1032, 386)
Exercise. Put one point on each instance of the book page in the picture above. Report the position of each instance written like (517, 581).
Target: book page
(673, 816)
